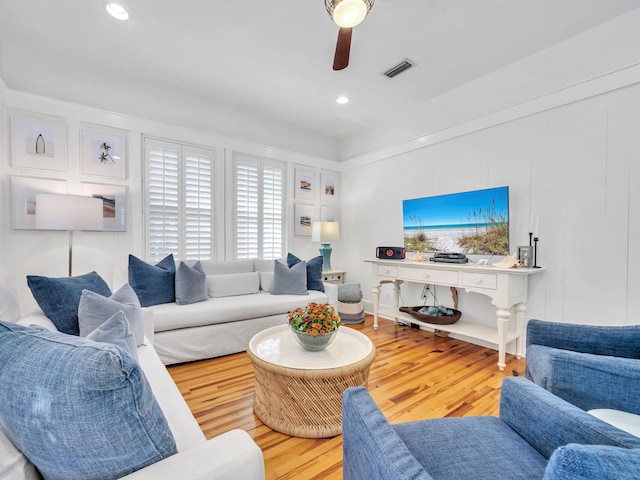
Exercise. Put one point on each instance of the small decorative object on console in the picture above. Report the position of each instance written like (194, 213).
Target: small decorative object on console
(437, 315)
(396, 253)
(314, 326)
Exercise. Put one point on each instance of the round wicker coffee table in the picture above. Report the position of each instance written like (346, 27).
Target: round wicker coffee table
(299, 392)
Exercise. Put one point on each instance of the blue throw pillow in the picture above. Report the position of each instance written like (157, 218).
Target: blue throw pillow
(289, 281)
(314, 271)
(116, 331)
(154, 284)
(94, 309)
(58, 298)
(78, 409)
(191, 284)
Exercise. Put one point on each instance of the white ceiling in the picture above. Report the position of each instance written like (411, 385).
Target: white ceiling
(273, 58)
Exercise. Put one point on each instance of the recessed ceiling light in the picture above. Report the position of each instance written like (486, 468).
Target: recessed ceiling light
(116, 11)
(342, 100)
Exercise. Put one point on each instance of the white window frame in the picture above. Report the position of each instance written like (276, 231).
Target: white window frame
(181, 250)
(262, 165)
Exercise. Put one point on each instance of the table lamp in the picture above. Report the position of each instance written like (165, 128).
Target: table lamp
(325, 232)
(68, 212)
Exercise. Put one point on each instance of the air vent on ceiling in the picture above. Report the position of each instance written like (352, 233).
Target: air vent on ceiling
(404, 65)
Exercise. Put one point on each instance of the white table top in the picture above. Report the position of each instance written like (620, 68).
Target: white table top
(276, 345)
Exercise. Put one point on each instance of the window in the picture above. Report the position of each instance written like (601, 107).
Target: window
(179, 200)
(259, 207)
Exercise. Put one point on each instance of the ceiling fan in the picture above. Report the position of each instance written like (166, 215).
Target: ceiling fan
(346, 14)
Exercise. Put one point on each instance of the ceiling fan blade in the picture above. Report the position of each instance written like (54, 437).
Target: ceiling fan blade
(343, 47)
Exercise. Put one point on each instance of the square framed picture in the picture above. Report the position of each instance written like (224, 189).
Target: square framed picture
(114, 203)
(103, 152)
(305, 184)
(329, 187)
(38, 144)
(304, 216)
(23, 196)
(525, 256)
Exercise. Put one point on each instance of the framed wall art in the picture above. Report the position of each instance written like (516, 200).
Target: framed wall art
(305, 184)
(525, 256)
(303, 218)
(114, 203)
(23, 195)
(103, 153)
(38, 144)
(329, 188)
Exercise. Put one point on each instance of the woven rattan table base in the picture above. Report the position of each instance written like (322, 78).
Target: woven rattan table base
(305, 403)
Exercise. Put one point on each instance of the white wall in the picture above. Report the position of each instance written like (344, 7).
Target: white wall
(577, 166)
(34, 252)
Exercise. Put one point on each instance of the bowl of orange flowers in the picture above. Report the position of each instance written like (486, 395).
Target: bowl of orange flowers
(315, 326)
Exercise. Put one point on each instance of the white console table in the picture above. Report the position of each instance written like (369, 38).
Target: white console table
(507, 288)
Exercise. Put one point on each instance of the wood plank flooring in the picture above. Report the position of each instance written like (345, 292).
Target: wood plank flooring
(415, 375)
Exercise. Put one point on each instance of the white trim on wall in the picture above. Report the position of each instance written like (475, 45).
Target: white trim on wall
(585, 89)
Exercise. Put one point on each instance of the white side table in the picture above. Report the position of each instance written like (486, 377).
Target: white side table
(334, 276)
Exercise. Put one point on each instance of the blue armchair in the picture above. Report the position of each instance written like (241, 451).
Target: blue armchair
(537, 435)
(592, 367)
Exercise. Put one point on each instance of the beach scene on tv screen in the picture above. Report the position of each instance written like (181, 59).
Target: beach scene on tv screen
(474, 222)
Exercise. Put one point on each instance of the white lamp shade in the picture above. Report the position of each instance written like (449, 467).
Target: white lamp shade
(68, 212)
(325, 232)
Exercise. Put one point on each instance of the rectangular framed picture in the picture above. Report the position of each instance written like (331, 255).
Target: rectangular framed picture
(303, 218)
(329, 188)
(103, 152)
(23, 196)
(305, 184)
(38, 144)
(114, 203)
(525, 256)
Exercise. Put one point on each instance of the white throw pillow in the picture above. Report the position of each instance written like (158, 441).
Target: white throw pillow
(266, 281)
(9, 306)
(232, 284)
(629, 422)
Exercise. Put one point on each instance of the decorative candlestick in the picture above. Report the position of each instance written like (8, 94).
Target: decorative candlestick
(535, 252)
(530, 237)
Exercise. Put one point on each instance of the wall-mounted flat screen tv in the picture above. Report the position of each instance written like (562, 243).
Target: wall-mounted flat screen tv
(474, 222)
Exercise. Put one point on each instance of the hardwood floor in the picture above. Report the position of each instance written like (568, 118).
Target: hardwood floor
(415, 375)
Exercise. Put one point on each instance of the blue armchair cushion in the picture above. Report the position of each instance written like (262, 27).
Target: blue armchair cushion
(78, 409)
(482, 448)
(615, 341)
(59, 298)
(585, 380)
(154, 284)
(589, 462)
(314, 271)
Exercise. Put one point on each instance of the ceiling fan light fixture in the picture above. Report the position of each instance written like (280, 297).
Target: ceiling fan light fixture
(348, 13)
(116, 11)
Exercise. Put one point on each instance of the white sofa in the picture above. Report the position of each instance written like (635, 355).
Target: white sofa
(232, 455)
(239, 306)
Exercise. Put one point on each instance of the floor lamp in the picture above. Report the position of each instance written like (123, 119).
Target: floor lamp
(68, 212)
(325, 232)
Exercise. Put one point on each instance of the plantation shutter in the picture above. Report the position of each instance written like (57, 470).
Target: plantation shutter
(259, 201)
(179, 185)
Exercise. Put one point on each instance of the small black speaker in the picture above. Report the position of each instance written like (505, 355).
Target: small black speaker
(395, 253)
